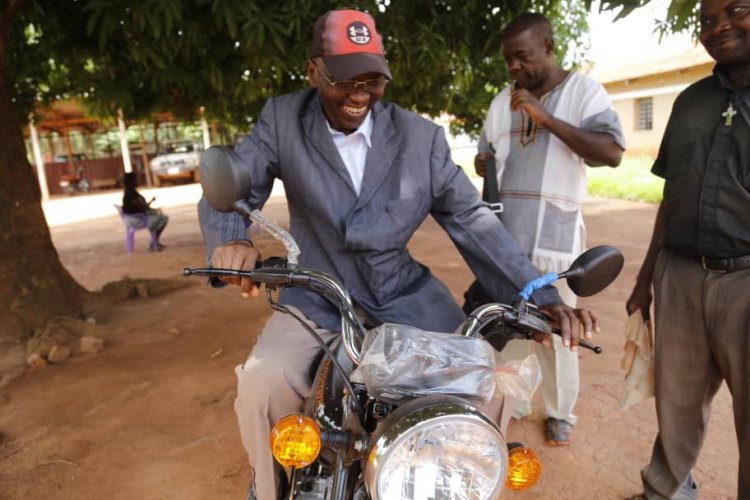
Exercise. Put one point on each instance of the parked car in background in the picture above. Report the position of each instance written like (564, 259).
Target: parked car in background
(71, 184)
(178, 162)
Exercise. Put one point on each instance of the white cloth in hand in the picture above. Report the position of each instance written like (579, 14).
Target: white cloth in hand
(638, 361)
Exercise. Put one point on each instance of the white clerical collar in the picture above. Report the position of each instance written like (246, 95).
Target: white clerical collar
(365, 129)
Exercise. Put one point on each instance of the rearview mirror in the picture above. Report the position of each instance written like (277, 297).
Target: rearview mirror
(223, 178)
(594, 270)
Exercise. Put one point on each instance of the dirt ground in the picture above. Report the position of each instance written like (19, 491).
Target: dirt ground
(150, 416)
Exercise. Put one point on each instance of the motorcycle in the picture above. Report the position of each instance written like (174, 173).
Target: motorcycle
(71, 184)
(395, 411)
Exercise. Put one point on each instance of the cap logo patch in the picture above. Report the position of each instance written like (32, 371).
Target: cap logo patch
(358, 33)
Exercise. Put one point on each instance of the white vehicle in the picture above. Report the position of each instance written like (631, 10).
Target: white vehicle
(179, 162)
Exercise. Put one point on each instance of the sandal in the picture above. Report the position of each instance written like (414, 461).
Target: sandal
(557, 432)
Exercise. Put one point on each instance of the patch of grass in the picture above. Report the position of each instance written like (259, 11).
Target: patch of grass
(632, 180)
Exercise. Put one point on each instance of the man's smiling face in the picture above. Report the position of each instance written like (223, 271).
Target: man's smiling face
(725, 30)
(345, 111)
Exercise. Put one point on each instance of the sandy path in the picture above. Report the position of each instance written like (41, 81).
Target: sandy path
(151, 417)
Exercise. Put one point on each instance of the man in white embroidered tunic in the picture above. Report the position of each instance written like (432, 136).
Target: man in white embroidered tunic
(542, 131)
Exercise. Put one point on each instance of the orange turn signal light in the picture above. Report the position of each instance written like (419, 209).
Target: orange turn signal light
(295, 441)
(524, 468)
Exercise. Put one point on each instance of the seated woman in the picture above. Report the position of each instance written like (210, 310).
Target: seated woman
(134, 203)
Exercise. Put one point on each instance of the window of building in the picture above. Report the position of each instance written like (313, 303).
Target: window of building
(645, 111)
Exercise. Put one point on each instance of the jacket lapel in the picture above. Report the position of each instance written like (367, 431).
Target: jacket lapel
(380, 157)
(314, 123)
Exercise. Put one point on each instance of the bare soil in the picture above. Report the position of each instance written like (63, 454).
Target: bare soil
(150, 416)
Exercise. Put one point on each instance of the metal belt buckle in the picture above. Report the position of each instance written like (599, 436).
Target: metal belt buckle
(709, 269)
(496, 208)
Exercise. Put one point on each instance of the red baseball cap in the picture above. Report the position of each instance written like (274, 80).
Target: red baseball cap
(349, 44)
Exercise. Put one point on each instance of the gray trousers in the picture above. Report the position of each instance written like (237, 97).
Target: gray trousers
(702, 337)
(274, 382)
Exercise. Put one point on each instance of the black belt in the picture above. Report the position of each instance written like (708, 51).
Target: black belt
(716, 265)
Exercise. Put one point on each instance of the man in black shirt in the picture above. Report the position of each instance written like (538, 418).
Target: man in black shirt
(699, 258)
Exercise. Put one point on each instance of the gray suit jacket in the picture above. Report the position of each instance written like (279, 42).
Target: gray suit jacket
(362, 239)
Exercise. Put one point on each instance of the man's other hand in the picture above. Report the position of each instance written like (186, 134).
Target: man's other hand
(573, 323)
(522, 99)
(480, 164)
(641, 299)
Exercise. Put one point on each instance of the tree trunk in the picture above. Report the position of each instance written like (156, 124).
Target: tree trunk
(34, 285)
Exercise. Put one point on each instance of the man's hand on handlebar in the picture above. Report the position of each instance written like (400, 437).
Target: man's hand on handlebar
(240, 255)
(573, 323)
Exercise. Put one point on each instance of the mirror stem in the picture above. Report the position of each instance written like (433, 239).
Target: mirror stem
(278, 232)
(537, 283)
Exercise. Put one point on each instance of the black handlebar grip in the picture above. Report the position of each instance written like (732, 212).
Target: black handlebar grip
(588, 345)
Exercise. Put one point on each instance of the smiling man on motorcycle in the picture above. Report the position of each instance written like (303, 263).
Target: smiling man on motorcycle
(360, 176)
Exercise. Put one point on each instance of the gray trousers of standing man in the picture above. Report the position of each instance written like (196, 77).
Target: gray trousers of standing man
(702, 337)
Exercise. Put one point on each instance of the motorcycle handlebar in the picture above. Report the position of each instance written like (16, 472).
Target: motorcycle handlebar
(586, 344)
(526, 317)
(351, 328)
(523, 316)
(554, 328)
(272, 276)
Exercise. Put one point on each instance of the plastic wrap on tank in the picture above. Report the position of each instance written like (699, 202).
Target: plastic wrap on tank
(402, 362)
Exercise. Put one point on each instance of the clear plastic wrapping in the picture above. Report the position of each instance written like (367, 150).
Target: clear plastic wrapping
(518, 378)
(402, 362)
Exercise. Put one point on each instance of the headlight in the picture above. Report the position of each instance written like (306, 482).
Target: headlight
(436, 449)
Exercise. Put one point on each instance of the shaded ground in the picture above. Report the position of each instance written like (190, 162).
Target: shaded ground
(150, 417)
